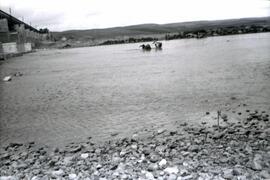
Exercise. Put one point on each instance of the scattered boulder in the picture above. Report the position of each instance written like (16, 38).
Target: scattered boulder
(7, 78)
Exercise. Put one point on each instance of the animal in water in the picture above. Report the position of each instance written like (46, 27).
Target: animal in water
(157, 44)
(146, 47)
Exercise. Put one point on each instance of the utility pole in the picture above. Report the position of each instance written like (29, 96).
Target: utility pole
(10, 11)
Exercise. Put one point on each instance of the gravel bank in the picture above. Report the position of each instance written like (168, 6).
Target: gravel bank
(235, 150)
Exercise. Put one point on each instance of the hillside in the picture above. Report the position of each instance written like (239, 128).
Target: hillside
(150, 29)
(149, 32)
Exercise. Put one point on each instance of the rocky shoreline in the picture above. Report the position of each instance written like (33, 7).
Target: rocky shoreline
(232, 150)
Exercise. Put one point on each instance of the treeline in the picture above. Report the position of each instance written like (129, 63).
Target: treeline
(202, 33)
(129, 40)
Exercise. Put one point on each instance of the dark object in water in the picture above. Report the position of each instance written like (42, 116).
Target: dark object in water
(158, 45)
(146, 47)
(66, 46)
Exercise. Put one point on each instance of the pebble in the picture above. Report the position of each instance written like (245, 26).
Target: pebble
(257, 162)
(171, 170)
(172, 177)
(162, 163)
(160, 131)
(149, 175)
(7, 178)
(72, 176)
(84, 155)
(59, 172)
(7, 78)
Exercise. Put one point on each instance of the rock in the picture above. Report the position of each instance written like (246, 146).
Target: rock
(84, 155)
(264, 174)
(160, 131)
(134, 146)
(67, 161)
(75, 149)
(154, 158)
(146, 151)
(99, 166)
(152, 167)
(7, 78)
(149, 175)
(123, 153)
(15, 144)
(183, 124)
(56, 150)
(162, 163)
(194, 148)
(171, 170)
(35, 178)
(228, 173)
(186, 177)
(172, 177)
(224, 117)
(72, 176)
(7, 178)
(219, 135)
(114, 134)
(257, 162)
(248, 149)
(59, 172)
(124, 176)
(18, 74)
(207, 113)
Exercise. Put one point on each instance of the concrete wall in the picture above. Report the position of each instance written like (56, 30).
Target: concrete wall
(10, 48)
(14, 48)
(27, 47)
(3, 26)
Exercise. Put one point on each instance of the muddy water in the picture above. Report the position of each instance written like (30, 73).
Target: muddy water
(68, 95)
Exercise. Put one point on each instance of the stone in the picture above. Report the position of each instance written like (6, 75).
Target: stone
(162, 163)
(124, 176)
(186, 177)
(114, 134)
(7, 78)
(134, 146)
(194, 148)
(67, 161)
(7, 178)
(257, 162)
(172, 177)
(248, 149)
(59, 172)
(228, 173)
(154, 158)
(149, 175)
(72, 176)
(171, 170)
(99, 166)
(152, 167)
(160, 131)
(75, 149)
(264, 174)
(84, 155)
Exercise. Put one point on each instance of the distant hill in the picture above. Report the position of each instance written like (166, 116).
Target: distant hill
(154, 30)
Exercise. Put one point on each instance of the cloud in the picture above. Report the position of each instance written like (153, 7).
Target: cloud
(87, 14)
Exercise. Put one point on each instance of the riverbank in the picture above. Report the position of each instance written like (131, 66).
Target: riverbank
(230, 150)
(61, 96)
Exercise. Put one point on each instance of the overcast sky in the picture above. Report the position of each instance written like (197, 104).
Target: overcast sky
(58, 15)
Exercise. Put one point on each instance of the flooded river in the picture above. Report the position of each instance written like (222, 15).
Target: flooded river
(71, 94)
